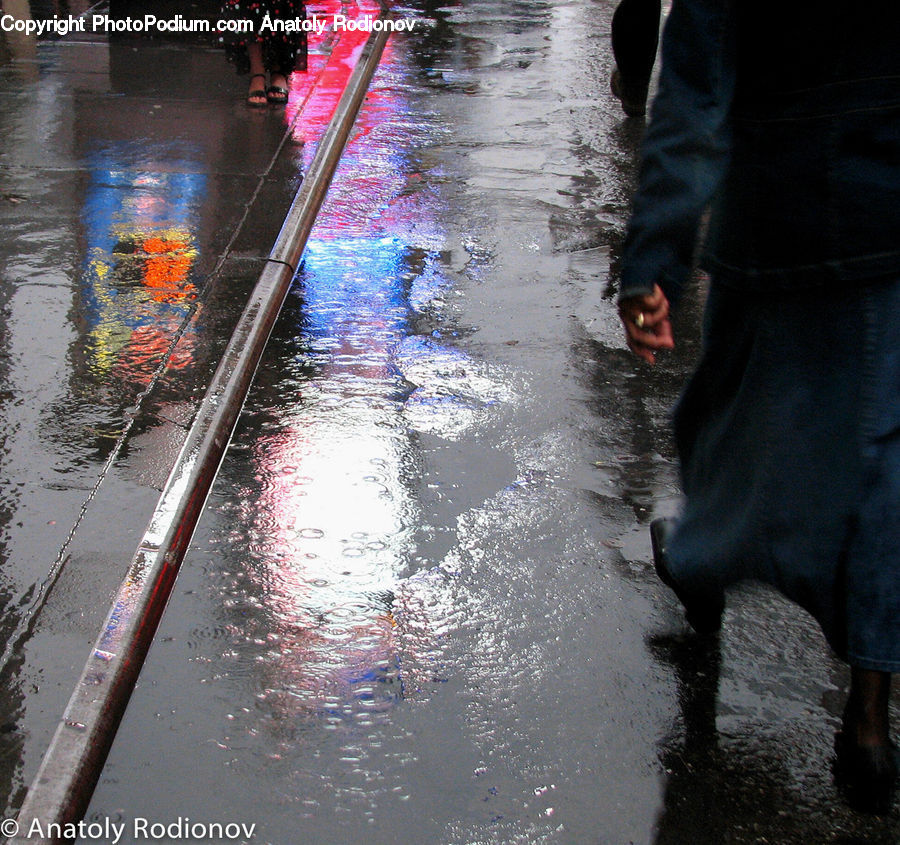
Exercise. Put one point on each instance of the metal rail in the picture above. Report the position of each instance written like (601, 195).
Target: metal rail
(62, 788)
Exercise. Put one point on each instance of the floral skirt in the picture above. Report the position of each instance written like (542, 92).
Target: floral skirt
(283, 51)
(789, 439)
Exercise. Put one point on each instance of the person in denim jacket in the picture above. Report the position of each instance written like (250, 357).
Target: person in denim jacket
(782, 122)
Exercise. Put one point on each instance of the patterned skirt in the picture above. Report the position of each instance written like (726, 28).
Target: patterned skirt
(282, 51)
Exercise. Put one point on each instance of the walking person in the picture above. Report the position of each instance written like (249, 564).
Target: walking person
(272, 52)
(788, 432)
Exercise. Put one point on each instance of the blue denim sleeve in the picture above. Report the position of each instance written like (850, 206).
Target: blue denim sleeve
(686, 148)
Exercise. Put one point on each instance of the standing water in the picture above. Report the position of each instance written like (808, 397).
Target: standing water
(420, 607)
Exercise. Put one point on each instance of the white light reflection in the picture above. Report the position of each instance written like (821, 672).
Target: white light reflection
(336, 514)
(345, 616)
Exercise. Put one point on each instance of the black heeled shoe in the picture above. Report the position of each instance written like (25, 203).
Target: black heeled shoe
(867, 775)
(632, 96)
(703, 613)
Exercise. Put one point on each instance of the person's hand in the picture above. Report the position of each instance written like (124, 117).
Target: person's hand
(646, 322)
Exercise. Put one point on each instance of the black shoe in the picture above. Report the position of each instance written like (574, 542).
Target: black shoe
(866, 775)
(703, 613)
(633, 96)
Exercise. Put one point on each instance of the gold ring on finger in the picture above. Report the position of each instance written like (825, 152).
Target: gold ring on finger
(639, 320)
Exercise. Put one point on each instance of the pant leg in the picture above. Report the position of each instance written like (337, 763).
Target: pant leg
(635, 38)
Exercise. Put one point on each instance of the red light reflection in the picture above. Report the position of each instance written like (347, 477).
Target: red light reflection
(314, 97)
(329, 514)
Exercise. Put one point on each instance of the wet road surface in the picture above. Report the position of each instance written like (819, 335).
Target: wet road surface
(420, 606)
(138, 202)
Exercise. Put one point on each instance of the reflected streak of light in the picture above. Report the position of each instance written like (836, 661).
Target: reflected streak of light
(318, 109)
(328, 517)
(136, 285)
(332, 504)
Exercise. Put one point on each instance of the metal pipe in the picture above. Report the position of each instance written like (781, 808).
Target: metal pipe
(61, 791)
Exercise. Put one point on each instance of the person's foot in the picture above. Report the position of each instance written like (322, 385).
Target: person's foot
(866, 764)
(277, 92)
(256, 96)
(703, 613)
(632, 94)
(866, 774)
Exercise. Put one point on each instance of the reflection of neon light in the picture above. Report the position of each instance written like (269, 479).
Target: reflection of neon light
(336, 515)
(344, 52)
(332, 517)
(167, 265)
(336, 536)
(354, 280)
(136, 286)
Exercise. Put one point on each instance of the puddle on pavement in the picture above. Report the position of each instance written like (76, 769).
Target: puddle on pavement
(418, 608)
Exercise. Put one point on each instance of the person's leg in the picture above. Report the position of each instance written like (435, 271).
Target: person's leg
(635, 38)
(866, 764)
(871, 587)
(866, 715)
(256, 96)
(703, 612)
(282, 59)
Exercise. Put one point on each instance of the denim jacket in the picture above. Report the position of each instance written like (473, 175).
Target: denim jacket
(782, 117)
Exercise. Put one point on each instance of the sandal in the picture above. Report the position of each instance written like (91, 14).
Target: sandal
(257, 94)
(277, 95)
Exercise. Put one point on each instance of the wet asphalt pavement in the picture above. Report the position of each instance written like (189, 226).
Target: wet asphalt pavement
(420, 606)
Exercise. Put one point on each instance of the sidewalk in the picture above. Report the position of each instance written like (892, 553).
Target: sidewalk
(421, 605)
(139, 198)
